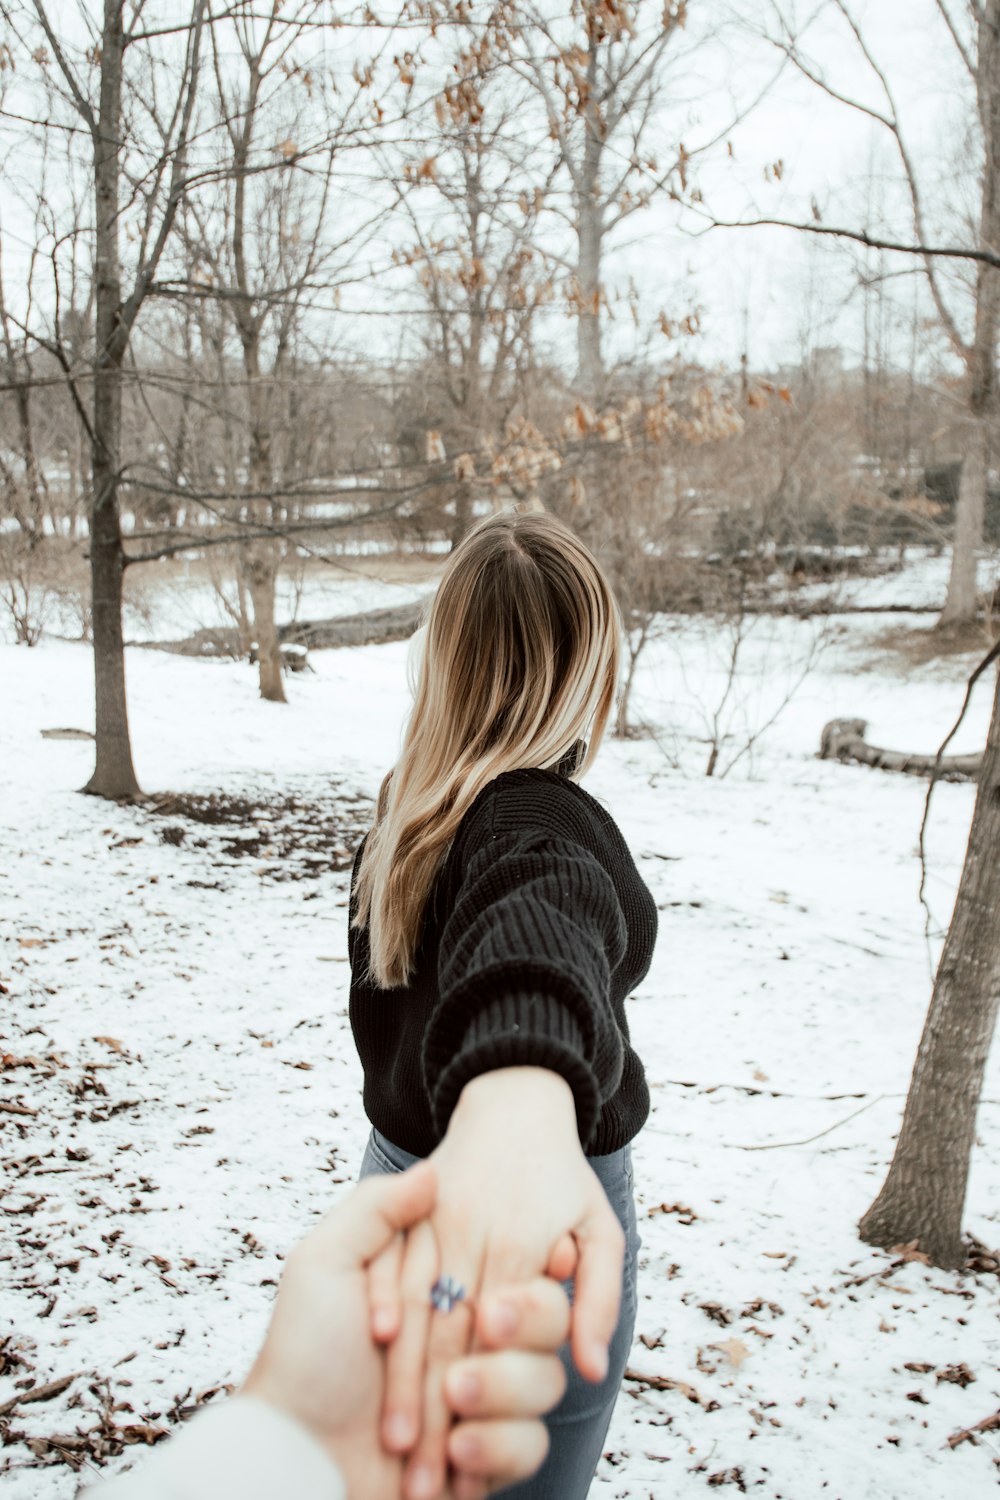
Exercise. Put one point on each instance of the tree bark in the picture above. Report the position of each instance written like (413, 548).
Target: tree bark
(261, 576)
(590, 232)
(923, 1197)
(961, 605)
(261, 564)
(590, 354)
(962, 601)
(114, 775)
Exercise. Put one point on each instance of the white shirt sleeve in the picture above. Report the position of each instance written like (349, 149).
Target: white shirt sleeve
(242, 1449)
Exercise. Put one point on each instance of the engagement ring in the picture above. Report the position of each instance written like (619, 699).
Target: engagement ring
(446, 1293)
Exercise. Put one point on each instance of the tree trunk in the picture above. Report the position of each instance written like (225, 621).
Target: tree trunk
(114, 774)
(590, 231)
(462, 519)
(962, 601)
(961, 604)
(634, 649)
(924, 1193)
(262, 573)
(590, 356)
(261, 565)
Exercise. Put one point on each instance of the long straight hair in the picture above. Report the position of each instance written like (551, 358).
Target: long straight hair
(520, 663)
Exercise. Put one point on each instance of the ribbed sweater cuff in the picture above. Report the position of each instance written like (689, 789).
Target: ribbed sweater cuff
(527, 1030)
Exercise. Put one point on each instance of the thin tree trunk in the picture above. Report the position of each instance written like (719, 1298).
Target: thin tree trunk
(261, 565)
(961, 603)
(634, 649)
(590, 355)
(261, 574)
(590, 235)
(924, 1193)
(114, 774)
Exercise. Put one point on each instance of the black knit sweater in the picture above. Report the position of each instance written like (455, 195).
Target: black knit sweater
(537, 928)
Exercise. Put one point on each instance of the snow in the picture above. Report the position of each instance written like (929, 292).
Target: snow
(197, 1092)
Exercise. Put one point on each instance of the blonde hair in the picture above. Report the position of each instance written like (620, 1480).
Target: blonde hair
(520, 663)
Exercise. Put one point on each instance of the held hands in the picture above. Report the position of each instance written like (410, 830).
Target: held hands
(517, 1200)
(318, 1363)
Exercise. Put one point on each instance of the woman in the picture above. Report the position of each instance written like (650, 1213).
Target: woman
(497, 925)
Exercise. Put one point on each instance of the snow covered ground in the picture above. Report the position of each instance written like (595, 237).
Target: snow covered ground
(174, 1029)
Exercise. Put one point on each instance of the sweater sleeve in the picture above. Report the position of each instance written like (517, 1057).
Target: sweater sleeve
(241, 1447)
(526, 956)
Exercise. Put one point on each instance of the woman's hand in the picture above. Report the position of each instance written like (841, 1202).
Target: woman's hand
(318, 1363)
(513, 1184)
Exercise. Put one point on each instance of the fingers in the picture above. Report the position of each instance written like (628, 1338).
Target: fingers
(534, 1315)
(450, 1336)
(406, 1358)
(562, 1261)
(597, 1299)
(354, 1232)
(384, 1294)
(465, 1487)
(499, 1453)
(507, 1384)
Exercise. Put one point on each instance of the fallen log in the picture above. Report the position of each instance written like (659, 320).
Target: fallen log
(373, 627)
(844, 739)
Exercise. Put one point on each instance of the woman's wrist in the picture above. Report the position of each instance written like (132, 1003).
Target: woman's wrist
(529, 1091)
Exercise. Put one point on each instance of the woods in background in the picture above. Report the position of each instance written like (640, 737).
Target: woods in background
(211, 201)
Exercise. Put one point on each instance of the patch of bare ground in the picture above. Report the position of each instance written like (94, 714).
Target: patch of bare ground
(296, 837)
(950, 648)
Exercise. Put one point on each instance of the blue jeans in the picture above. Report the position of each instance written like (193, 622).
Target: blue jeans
(579, 1424)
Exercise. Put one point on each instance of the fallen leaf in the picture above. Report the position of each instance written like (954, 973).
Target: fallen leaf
(734, 1349)
(685, 1215)
(668, 1383)
(910, 1251)
(112, 1042)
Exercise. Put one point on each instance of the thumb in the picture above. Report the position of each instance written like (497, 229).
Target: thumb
(357, 1230)
(597, 1299)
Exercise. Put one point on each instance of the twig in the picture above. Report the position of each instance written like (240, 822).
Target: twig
(753, 1088)
(991, 656)
(39, 1393)
(862, 237)
(781, 1145)
(968, 1434)
(668, 1383)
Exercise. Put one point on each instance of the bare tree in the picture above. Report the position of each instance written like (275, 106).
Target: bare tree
(923, 1196)
(600, 76)
(972, 32)
(263, 255)
(473, 188)
(93, 82)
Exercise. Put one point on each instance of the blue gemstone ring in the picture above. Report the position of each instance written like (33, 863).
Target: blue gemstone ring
(446, 1293)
